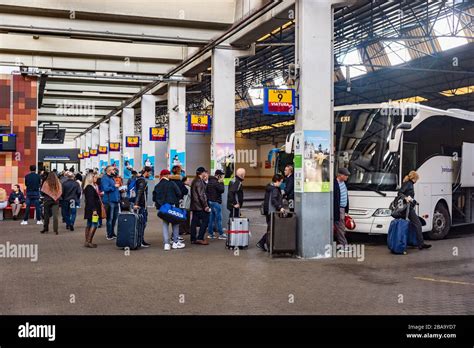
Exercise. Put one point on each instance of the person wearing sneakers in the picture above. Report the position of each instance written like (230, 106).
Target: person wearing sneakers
(166, 191)
(32, 183)
(111, 199)
(214, 190)
(199, 207)
(93, 208)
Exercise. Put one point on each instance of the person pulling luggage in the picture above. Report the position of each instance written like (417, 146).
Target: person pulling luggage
(273, 202)
(235, 195)
(407, 191)
(142, 198)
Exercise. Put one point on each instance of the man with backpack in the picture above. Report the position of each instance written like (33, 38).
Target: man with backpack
(273, 202)
(215, 189)
(142, 198)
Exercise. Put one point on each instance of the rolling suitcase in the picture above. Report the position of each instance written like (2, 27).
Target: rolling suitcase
(397, 238)
(282, 238)
(130, 230)
(238, 234)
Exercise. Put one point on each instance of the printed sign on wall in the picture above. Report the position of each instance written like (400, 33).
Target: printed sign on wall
(199, 123)
(157, 134)
(278, 101)
(103, 150)
(114, 147)
(132, 141)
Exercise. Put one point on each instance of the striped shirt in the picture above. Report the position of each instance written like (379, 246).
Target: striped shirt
(343, 189)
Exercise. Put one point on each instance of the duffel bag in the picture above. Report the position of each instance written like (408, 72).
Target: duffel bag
(172, 214)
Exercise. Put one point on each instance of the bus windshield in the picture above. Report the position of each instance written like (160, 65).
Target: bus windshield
(362, 146)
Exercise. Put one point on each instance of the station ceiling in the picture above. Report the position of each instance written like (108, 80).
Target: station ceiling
(103, 55)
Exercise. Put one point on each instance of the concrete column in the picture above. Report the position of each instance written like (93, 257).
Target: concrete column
(148, 104)
(177, 125)
(114, 136)
(129, 157)
(223, 122)
(104, 141)
(95, 146)
(88, 147)
(314, 55)
(82, 164)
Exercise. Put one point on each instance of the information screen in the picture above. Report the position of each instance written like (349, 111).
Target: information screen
(8, 142)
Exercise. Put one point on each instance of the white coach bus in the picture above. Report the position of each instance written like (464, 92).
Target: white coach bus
(381, 143)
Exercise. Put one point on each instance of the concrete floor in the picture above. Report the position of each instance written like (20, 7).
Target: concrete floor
(70, 279)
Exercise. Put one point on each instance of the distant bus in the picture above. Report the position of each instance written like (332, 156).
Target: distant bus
(381, 143)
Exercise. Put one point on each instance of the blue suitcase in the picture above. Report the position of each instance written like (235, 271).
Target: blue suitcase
(130, 230)
(398, 235)
(412, 239)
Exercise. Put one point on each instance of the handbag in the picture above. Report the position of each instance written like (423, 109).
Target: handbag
(399, 207)
(172, 214)
(349, 223)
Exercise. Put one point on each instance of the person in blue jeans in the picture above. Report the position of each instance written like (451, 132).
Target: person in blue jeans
(33, 184)
(71, 196)
(214, 190)
(111, 199)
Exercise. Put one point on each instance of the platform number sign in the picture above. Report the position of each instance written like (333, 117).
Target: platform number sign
(199, 123)
(157, 134)
(132, 141)
(79, 156)
(114, 147)
(85, 154)
(278, 101)
(102, 150)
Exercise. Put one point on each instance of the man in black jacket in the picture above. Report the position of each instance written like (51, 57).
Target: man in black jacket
(32, 183)
(215, 189)
(235, 195)
(341, 205)
(141, 187)
(70, 197)
(199, 207)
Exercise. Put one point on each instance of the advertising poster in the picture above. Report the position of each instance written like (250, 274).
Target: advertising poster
(114, 147)
(316, 161)
(157, 134)
(177, 159)
(102, 150)
(102, 166)
(198, 123)
(128, 164)
(132, 141)
(225, 159)
(298, 162)
(278, 101)
(149, 161)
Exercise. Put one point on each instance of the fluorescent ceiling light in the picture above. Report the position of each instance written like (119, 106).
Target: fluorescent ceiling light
(415, 99)
(457, 91)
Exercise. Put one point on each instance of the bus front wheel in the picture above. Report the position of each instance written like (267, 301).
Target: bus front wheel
(441, 222)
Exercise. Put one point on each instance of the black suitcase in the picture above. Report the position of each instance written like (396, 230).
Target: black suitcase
(130, 228)
(282, 237)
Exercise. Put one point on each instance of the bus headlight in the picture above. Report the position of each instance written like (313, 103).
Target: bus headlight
(383, 212)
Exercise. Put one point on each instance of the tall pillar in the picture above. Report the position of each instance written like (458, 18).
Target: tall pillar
(95, 146)
(88, 147)
(129, 158)
(104, 142)
(114, 136)
(82, 164)
(148, 105)
(314, 124)
(223, 122)
(177, 125)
